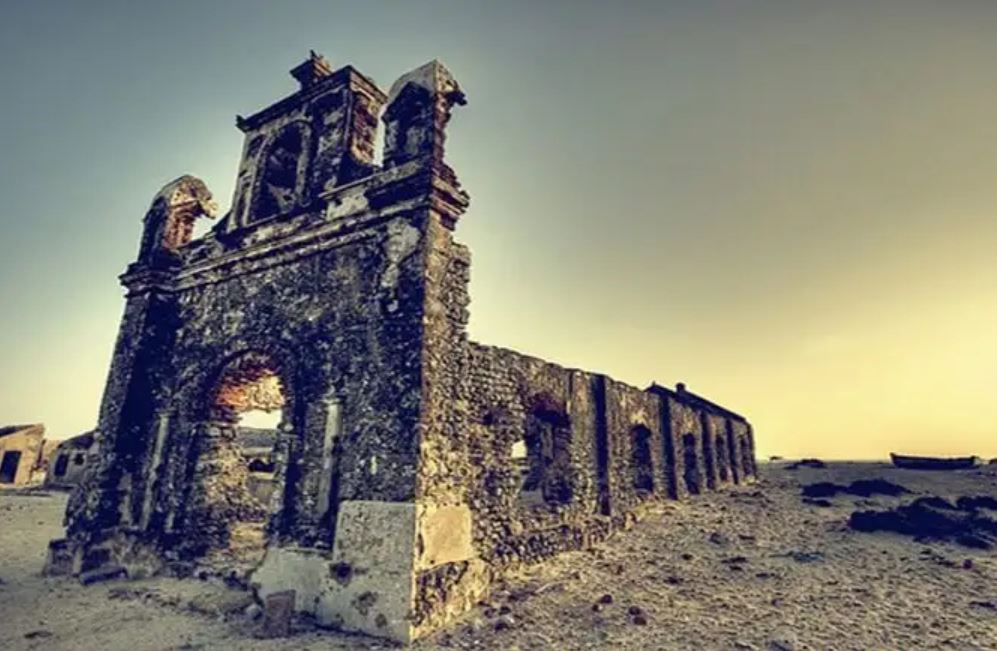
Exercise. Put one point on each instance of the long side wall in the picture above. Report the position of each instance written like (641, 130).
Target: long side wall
(608, 447)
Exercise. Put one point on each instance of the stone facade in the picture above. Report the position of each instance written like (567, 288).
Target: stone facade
(412, 466)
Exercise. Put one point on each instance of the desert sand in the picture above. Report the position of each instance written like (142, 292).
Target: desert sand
(752, 567)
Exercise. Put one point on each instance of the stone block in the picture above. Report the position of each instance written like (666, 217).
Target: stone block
(444, 535)
(372, 574)
(278, 612)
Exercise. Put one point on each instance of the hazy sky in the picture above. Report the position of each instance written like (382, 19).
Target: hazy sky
(791, 206)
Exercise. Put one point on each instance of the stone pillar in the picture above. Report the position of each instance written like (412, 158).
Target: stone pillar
(733, 452)
(709, 454)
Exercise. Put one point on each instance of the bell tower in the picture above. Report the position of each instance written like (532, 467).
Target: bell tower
(310, 142)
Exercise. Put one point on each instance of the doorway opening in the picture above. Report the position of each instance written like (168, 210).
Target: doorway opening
(544, 458)
(238, 481)
(8, 467)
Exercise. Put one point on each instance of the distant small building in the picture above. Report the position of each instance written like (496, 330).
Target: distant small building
(20, 452)
(256, 445)
(67, 463)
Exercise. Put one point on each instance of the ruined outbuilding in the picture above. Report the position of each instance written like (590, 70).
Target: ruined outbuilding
(411, 466)
(67, 464)
(21, 448)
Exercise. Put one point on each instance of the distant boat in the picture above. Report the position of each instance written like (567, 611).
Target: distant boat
(934, 463)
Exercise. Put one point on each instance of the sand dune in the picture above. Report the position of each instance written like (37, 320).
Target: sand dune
(749, 568)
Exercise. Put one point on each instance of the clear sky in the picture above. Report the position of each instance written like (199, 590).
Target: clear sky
(791, 206)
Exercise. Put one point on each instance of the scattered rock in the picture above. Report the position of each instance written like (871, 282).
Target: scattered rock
(987, 605)
(639, 620)
(124, 594)
(220, 604)
(718, 538)
(860, 488)
(930, 519)
(807, 463)
(686, 556)
(974, 541)
(253, 612)
(934, 503)
(870, 487)
(606, 599)
(818, 502)
(967, 564)
(822, 489)
(104, 573)
(971, 503)
(504, 622)
(633, 611)
(35, 635)
(804, 557)
(784, 642)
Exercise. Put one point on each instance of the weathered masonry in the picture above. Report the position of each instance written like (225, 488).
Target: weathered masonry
(410, 466)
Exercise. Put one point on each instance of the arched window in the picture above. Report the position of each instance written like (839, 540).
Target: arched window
(282, 172)
(544, 457)
(641, 464)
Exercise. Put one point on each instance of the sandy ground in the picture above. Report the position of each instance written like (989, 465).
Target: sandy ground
(749, 568)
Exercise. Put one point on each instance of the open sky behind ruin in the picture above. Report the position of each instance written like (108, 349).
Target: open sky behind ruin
(790, 206)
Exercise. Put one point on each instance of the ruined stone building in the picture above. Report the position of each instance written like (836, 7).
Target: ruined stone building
(68, 462)
(21, 448)
(411, 466)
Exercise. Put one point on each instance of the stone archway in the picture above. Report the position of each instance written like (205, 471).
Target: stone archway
(231, 515)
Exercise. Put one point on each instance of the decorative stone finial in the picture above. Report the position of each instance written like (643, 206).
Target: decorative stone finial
(169, 223)
(312, 70)
(435, 78)
(418, 109)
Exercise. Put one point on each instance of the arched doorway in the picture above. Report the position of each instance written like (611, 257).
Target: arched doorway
(237, 472)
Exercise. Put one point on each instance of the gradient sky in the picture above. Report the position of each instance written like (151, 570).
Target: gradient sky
(790, 206)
